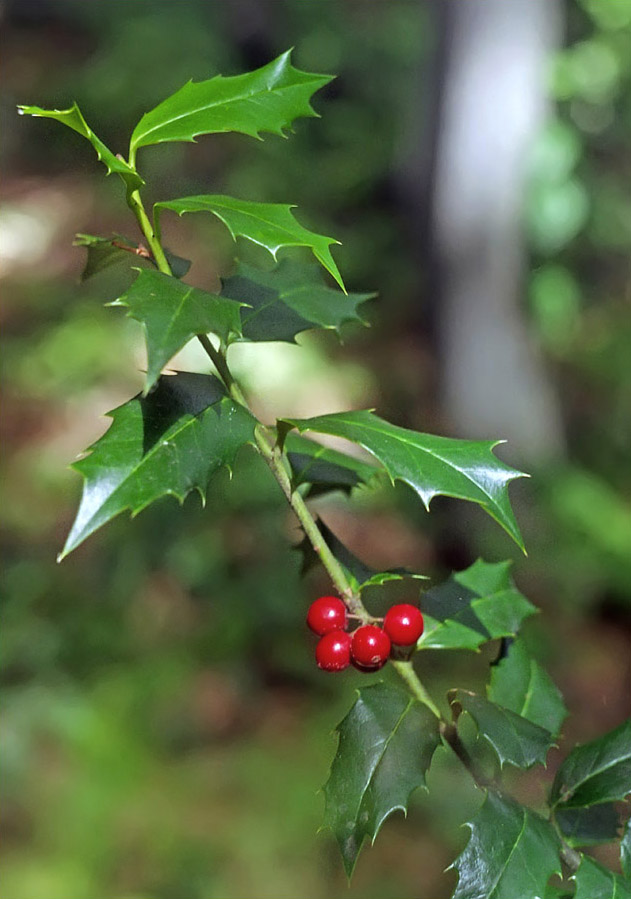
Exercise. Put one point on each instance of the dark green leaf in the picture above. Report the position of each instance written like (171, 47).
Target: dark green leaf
(324, 468)
(625, 850)
(588, 826)
(270, 225)
(473, 607)
(289, 299)
(553, 891)
(514, 739)
(179, 265)
(431, 465)
(172, 313)
(512, 853)
(358, 573)
(268, 99)
(102, 252)
(596, 772)
(594, 881)
(168, 443)
(520, 684)
(74, 119)
(386, 743)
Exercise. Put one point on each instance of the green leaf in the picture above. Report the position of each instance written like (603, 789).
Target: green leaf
(102, 252)
(431, 465)
(588, 826)
(386, 743)
(270, 225)
(625, 850)
(594, 881)
(553, 891)
(473, 607)
(172, 313)
(267, 99)
(512, 853)
(520, 684)
(514, 739)
(596, 772)
(289, 299)
(74, 119)
(323, 468)
(169, 443)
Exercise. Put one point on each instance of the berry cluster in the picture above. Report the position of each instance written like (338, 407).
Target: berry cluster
(368, 647)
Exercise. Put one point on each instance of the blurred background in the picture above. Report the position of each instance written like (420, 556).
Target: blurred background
(165, 730)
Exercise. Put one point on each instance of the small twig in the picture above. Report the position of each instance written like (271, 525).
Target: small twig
(140, 250)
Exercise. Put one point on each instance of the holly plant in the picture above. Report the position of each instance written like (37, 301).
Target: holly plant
(184, 427)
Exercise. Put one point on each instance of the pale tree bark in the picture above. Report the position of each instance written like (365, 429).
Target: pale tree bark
(494, 382)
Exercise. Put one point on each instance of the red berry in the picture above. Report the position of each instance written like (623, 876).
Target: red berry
(333, 652)
(403, 624)
(326, 614)
(370, 647)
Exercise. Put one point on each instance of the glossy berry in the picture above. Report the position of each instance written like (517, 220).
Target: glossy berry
(333, 652)
(326, 614)
(403, 624)
(370, 647)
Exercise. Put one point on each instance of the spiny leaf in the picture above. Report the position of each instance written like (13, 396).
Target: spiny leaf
(474, 606)
(168, 443)
(431, 465)
(73, 118)
(520, 684)
(172, 313)
(588, 826)
(102, 252)
(514, 739)
(599, 771)
(267, 99)
(324, 468)
(512, 853)
(386, 744)
(594, 881)
(270, 225)
(358, 573)
(289, 299)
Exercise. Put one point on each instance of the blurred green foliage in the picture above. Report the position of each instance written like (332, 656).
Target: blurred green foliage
(579, 218)
(165, 731)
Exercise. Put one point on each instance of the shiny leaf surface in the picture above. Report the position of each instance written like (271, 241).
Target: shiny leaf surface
(474, 606)
(514, 739)
(172, 313)
(168, 443)
(431, 465)
(512, 853)
(520, 684)
(386, 744)
(267, 99)
(594, 881)
(599, 771)
(270, 225)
